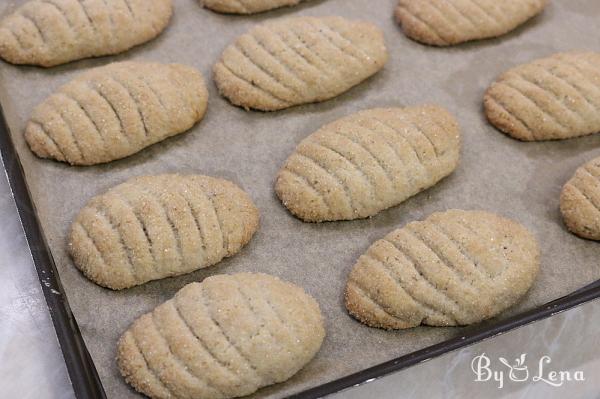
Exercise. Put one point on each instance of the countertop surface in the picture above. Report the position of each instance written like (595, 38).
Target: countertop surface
(555, 358)
(562, 354)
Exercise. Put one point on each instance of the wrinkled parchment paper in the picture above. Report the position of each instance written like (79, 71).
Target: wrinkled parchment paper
(496, 173)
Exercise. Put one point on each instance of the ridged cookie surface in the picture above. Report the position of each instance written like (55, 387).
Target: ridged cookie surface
(53, 32)
(298, 60)
(454, 268)
(246, 6)
(153, 227)
(369, 161)
(580, 201)
(117, 110)
(552, 98)
(225, 337)
(448, 22)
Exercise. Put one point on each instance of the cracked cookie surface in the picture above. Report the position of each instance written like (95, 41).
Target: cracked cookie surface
(449, 22)
(580, 201)
(552, 98)
(54, 32)
(369, 161)
(298, 60)
(454, 268)
(153, 227)
(114, 111)
(246, 6)
(225, 337)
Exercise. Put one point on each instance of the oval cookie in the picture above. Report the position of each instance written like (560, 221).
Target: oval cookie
(452, 269)
(298, 60)
(580, 201)
(552, 98)
(53, 32)
(448, 22)
(225, 337)
(154, 227)
(366, 162)
(246, 6)
(117, 110)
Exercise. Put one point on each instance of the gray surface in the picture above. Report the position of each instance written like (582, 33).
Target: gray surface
(571, 340)
(517, 180)
(32, 366)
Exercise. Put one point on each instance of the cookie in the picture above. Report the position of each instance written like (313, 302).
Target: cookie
(298, 60)
(225, 337)
(580, 201)
(552, 98)
(246, 6)
(54, 32)
(369, 161)
(153, 227)
(115, 111)
(454, 268)
(449, 22)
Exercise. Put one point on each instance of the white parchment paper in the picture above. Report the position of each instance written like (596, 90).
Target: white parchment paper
(496, 173)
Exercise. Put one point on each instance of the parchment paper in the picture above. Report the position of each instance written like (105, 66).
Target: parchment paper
(496, 173)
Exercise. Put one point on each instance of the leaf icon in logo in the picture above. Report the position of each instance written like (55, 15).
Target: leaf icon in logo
(519, 371)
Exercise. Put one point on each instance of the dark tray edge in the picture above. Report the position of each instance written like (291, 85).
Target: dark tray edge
(577, 298)
(80, 366)
(82, 371)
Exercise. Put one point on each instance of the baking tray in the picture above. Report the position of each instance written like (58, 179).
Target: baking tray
(82, 371)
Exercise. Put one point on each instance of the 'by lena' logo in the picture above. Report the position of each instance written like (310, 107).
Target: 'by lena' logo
(518, 371)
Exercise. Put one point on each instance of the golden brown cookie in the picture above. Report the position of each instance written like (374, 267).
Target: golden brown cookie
(369, 161)
(552, 98)
(117, 110)
(448, 22)
(246, 6)
(225, 337)
(53, 32)
(580, 201)
(452, 269)
(153, 227)
(299, 60)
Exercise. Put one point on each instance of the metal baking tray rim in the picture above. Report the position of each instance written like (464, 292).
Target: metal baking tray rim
(80, 366)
